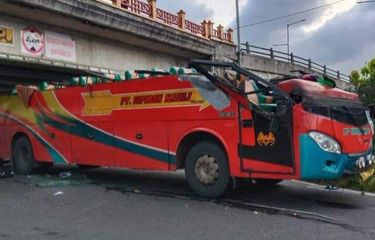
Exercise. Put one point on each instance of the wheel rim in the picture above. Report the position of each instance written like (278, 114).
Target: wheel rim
(207, 169)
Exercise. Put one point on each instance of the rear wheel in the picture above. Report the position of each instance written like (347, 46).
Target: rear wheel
(206, 170)
(23, 156)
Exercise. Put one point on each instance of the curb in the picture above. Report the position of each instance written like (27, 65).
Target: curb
(343, 190)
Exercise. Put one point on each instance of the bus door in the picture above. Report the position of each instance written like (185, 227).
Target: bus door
(266, 138)
(265, 144)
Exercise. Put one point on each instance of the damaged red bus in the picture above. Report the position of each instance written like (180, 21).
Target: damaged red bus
(199, 122)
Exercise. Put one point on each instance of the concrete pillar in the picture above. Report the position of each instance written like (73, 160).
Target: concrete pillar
(230, 35)
(152, 5)
(117, 2)
(182, 16)
(220, 30)
(210, 28)
(205, 29)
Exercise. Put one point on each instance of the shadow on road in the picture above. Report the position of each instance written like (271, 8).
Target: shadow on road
(288, 198)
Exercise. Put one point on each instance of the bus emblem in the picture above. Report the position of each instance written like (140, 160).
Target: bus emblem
(266, 140)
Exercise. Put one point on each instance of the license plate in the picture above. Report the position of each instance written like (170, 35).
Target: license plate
(366, 174)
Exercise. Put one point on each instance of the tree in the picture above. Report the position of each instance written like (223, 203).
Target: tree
(364, 82)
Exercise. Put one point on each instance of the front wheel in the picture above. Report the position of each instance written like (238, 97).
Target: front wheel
(207, 170)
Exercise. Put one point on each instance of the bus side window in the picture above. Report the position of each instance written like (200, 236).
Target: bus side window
(215, 96)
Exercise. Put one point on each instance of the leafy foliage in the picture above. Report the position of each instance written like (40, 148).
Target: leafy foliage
(364, 82)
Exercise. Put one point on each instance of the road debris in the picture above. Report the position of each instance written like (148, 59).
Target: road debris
(65, 175)
(58, 193)
(331, 187)
(5, 170)
(137, 191)
(58, 179)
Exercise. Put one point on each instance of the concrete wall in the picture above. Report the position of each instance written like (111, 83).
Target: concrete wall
(95, 51)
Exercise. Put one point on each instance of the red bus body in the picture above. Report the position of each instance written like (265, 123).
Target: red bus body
(152, 123)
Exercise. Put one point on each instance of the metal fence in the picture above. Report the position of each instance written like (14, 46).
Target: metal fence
(291, 58)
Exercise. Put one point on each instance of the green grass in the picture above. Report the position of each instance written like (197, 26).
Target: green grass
(353, 182)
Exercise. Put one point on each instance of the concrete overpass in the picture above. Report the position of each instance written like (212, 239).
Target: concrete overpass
(102, 36)
(270, 63)
(42, 40)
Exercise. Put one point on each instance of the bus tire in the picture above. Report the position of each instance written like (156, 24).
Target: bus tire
(23, 156)
(207, 170)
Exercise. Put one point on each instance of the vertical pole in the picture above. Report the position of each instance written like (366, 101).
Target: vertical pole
(287, 39)
(238, 34)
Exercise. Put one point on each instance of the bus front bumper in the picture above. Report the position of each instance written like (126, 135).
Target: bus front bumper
(317, 164)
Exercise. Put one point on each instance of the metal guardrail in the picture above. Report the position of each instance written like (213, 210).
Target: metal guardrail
(291, 58)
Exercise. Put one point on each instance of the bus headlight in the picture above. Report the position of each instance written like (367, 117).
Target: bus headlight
(325, 142)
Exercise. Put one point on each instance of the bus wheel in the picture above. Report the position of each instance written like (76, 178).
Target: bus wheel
(206, 170)
(23, 157)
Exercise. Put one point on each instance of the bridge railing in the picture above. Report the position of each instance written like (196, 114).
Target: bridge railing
(148, 9)
(291, 58)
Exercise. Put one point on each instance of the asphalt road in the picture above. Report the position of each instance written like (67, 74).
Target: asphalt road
(120, 204)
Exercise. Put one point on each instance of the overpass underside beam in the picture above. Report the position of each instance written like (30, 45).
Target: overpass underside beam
(15, 72)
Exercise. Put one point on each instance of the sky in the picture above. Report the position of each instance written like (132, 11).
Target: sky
(341, 35)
